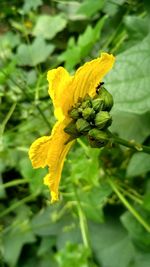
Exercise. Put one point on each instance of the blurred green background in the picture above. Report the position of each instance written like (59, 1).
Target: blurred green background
(39, 35)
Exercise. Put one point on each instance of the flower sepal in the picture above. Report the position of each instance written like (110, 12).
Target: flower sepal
(97, 104)
(74, 113)
(71, 129)
(83, 126)
(88, 114)
(107, 98)
(97, 138)
(103, 120)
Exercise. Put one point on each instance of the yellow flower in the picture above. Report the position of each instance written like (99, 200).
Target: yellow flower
(65, 91)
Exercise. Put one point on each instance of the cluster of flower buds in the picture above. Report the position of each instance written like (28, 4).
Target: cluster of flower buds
(91, 117)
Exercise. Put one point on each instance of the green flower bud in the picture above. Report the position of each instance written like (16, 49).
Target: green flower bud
(72, 130)
(107, 98)
(97, 104)
(86, 104)
(74, 113)
(103, 120)
(97, 138)
(88, 113)
(80, 110)
(83, 126)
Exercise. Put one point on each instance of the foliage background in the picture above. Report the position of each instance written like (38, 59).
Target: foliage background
(39, 35)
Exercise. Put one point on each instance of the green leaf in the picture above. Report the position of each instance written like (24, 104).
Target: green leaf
(111, 244)
(111, 7)
(139, 164)
(90, 7)
(146, 201)
(78, 159)
(136, 231)
(46, 245)
(73, 255)
(46, 223)
(71, 56)
(49, 26)
(29, 5)
(93, 201)
(9, 40)
(137, 126)
(141, 259)
(80, 49)
(137, 27)
(15, 237)
(130, 78)
(35, 53)
(35, 177)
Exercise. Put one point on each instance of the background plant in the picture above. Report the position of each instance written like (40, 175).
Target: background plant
(104, 213)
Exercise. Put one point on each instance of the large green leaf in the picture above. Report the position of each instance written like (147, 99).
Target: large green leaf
(78, 159)
(35, 177)
(139, 164)
(111, 244)
(76, 51)
(137, 27)
(17, 234)
(130, 78)
(46, 223)
(49, 26)
(90, 7)
(137, 126)
(35, 53)
(29, 5)
(139, 235)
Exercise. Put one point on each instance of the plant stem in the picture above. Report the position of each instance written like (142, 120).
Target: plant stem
(131, 144)
(128, 206)
(14, 183)
(83, 224)
(135, 198)
(9, 114)
(84, 146)
(17, 204)
(84, 227)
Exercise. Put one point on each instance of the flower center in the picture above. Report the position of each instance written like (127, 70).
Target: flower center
(91, 117)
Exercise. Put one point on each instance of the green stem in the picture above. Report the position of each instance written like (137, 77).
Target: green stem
(128, 206)
(119, 43)
(14, 183)
(83, 224)
(9, 114)
(83, 227)
(131, 144)
(18, 204)
(135, 198)
(84, 146)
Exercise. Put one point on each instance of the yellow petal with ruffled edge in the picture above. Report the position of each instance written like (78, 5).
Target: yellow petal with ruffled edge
(52, 179)
(51, 151)
(59, 80)
(90, 75)
(65, 90)
(38, 151)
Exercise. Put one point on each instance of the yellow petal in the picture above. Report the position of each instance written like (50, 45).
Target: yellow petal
(59, 80)
(56, 156)
(90, 74)
(51, 151)
(39, 150)
(65, 90)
